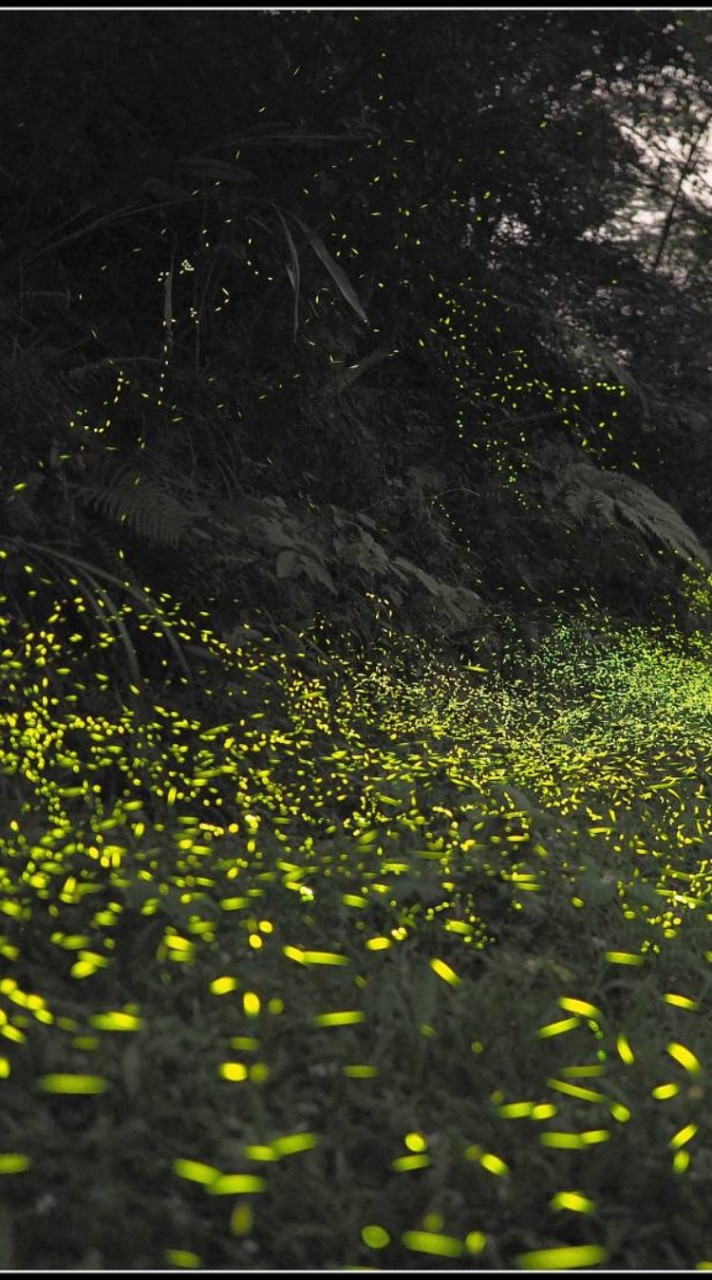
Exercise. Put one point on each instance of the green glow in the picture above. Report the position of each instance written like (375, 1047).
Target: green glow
(563, 1258)
(686, 1058)
(351, 906)
(292, 1143)
(574, 1201)
(182, 1258)
(231, 1184)
(431, 1242)
(375, 1237)
(574, 1141)
(194, 1171)
(12, 1162)
(64, 1083)
(344, 1018)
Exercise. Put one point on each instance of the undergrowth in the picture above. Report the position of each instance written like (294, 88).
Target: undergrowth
(350, 963)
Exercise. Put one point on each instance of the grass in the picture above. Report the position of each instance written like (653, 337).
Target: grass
(350, 965)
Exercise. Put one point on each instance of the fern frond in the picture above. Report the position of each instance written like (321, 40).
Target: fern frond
(610, 497)
(96, 372)
(136, 500)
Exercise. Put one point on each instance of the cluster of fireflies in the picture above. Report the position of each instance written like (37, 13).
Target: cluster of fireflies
(338, 829)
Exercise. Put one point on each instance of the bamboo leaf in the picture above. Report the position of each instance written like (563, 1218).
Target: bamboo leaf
(208, 167)
(336, 272)
(293, 270)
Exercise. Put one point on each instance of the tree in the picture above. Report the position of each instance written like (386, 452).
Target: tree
(240, 333)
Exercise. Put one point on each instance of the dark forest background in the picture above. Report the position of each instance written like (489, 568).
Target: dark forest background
(353, 317)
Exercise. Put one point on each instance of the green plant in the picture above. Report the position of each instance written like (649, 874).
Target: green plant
(62, 569)
(408, 975)
(597, 498)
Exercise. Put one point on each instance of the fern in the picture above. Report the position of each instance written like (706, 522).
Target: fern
(611, 498)
(136, 500)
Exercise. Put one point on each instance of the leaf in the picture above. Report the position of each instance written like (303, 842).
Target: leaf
(365, 552)
(286, 563)
(365, 520)
(299, 136)
(127, 496)
(418, 573)
(276, 534)
(460, 602)
(336, 272)
(317, 572)
(93, 574)
(632, 502)
(110, 614)
(429, 582)
(293, 270)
